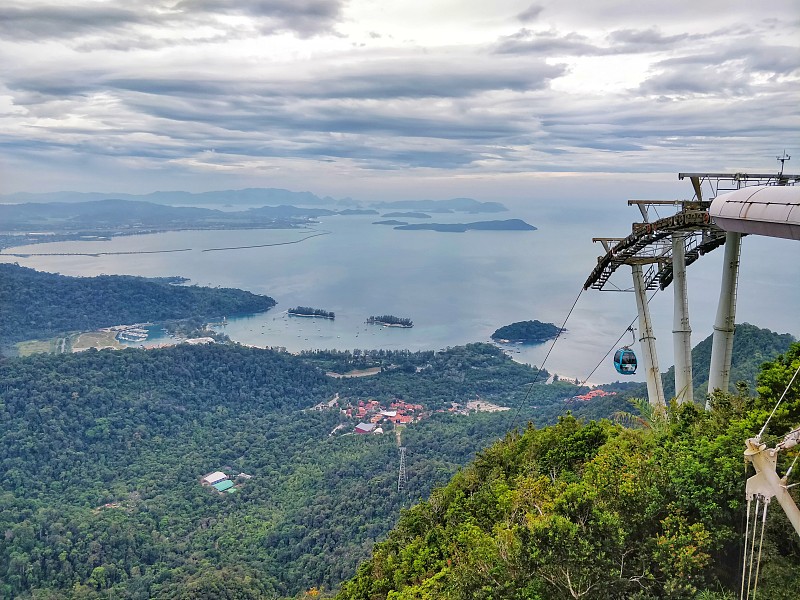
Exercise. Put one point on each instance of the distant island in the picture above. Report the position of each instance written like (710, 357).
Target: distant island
(408, 215)
(527, 332)
(389, 222)
(307, 311)
(357, 211)
(391, 321)
(507, 225)
(467, 205)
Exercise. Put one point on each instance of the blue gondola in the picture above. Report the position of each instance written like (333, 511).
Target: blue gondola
(625, 358)
(625, 361)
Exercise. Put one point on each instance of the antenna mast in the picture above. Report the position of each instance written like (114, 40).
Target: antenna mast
(783, 158)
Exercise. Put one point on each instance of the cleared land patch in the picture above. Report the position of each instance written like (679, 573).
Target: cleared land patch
(96, 339)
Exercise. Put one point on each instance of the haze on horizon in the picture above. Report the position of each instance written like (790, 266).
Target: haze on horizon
(414, 99)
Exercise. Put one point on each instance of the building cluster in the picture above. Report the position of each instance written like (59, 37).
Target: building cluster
(371, 413)
(591, 395)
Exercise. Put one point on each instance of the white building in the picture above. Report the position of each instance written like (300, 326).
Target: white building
(214, 477)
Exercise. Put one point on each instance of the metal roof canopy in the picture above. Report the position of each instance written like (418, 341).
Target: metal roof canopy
(764, 210)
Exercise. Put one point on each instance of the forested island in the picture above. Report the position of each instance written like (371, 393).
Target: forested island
(506, 225)
(391, 321)
(390, 222)
(307, 311)
(39, 305)
(527, 332)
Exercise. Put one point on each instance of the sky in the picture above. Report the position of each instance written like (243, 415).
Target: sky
(387, 100)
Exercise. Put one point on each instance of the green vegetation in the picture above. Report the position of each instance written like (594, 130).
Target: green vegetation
(529, 332)
(41, 305)
(595, 510)
(307, 311)
(391, 320)
(101, 454)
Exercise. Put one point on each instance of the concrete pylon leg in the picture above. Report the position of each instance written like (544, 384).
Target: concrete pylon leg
(655, 391)
(681, 330)
(722, 342)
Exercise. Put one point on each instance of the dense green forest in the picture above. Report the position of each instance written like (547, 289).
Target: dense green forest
(101, 455)
(596, 510)
(532, 332)
(35, 304)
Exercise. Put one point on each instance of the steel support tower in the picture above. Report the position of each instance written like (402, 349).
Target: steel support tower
(658, 250)
(681, 329)
(722, 342)
(402, 479)
(655, 390)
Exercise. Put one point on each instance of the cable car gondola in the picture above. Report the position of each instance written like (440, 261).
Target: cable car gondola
(625, 359)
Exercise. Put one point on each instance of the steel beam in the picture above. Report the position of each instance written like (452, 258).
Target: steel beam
(681, 330)
(722, 342)
(655, 391)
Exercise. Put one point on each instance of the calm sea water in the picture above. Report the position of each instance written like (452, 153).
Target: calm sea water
(457, 288)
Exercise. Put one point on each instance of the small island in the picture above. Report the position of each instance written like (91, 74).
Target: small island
(526, 332)
(391, 321)
(408, 215)
(390, 222)
(507, 225)
(358, 211)
(307, 311)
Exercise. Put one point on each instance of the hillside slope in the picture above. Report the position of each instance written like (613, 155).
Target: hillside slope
(597, 511)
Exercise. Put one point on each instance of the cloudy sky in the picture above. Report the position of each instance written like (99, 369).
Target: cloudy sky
(417, 98)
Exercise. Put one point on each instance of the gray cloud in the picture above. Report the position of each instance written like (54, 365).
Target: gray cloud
(37, 22)
(531, 13)
(66, 22)
(187, 105)
(304, 17)
(414, 77)
(646, 40)
(546, 43)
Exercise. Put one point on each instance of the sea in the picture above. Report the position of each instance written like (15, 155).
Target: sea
(456, 287)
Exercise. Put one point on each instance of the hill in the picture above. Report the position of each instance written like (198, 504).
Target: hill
(594, 510)
(752, 347)
(39, 305)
